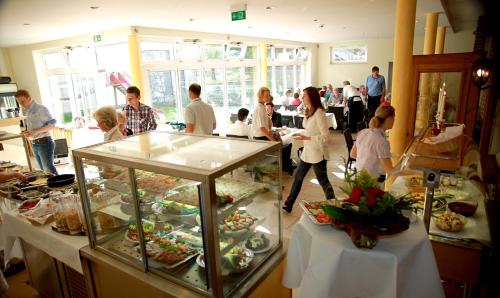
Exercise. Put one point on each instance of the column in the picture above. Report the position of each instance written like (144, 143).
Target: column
(424, 102)
(440, 36)
(135, 62)
(263, 65)
(402, 72)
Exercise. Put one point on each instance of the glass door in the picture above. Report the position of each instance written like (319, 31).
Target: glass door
(62, 105)
(163, 94)
(85, 94)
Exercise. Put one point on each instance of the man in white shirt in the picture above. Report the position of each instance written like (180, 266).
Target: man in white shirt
(240, 127)
(355, 104)
(199, 116)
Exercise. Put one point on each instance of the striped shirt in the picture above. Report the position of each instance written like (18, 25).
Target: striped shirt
(140, 120)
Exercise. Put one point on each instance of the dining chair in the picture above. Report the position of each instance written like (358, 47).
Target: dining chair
(349, 141)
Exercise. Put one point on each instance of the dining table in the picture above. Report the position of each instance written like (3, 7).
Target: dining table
(324, 262)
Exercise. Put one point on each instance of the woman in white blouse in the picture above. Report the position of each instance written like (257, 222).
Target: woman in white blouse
(372, 150)
(315, 153)
(261, 124)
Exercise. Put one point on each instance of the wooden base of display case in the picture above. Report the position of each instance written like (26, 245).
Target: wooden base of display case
(459, 266)
(111, 278)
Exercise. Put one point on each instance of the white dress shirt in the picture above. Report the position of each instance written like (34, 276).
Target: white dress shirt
(350, 91)
(239, 128)
(260, 119)
(316, 127)
(372, 145)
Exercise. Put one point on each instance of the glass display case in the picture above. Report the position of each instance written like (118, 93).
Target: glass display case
(200, 211)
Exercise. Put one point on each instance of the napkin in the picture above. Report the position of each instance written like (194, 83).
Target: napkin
(450, 133)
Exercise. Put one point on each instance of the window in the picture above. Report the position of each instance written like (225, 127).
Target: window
(186, 78)
(279, 81)
(234, 86)
(251, 52)
(85, 94)
(163, 93)
(61, 104)
(55, 60)
(289, 78)
(214, 87)
(251, 84)
(190, 51)
(157, 51)
(234, 52)
(213, 51)
(287, 70)
(82, 56)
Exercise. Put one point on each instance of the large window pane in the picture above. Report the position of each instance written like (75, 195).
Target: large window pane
(280, 83)
(214, 86)
(186, 78)
(55, 60)
(82, 56)
(114, 57)
(289, 79)
(270, 78)
(251, 52)
(213, 51)
(279, 53)
(234, 52)
(250, 86)
(190, 51)
(157, 51)
(161, 84)
(234, 86)
(85, 95)
(300, 76)
(61, 103)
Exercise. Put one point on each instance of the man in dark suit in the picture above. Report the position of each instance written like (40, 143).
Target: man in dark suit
(275, 117)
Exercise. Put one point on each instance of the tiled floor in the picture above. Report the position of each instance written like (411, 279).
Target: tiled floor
(310, 191)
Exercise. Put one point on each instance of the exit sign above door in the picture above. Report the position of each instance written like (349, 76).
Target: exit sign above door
(238, 15)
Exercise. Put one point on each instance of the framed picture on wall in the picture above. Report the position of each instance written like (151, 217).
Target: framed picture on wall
(351, 54)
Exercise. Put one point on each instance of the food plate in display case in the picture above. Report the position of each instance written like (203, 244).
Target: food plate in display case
(236, 260)
(313, 211)
(156, 253)
(258, 243)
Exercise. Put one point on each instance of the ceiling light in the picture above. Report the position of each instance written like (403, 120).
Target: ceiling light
(322, 26)
(345, 27)
(250, 27)
(315, 20)
(26, 24)
(94, 7)
(269, 7)
(191, 20)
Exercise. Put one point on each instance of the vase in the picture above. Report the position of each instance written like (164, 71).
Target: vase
(362, 239)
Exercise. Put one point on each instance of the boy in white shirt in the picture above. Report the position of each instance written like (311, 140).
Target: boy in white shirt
(240, 127)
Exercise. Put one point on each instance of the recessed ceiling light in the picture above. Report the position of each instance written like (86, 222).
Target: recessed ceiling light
(315, 20)
(26, 24)
(322, 26)
(191, 20)
(94, 7)
(344, 27)
(250, 27)
(269, 7)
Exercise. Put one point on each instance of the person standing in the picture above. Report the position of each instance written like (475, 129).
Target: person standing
(140, 117)
(199, 116)
(329, 92)
(39, 124)
(261, 124)
(355, 104)
(375, 87)
(371, 149)
(315, 153)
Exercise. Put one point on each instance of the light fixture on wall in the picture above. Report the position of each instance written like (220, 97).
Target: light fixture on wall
(481, 70)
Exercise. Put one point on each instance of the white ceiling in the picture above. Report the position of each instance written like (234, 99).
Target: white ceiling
(288, 20)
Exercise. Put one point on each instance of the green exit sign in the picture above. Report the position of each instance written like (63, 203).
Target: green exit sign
(97, 38)
(238, 15)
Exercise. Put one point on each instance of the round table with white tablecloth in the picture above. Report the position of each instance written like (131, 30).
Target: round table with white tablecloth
(323, 262)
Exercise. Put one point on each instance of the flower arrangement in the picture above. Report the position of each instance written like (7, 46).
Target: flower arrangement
(368, 211)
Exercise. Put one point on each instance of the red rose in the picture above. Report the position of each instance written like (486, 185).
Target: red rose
(373, 194)
(355, 195)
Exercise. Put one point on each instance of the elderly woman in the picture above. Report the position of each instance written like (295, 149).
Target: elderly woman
(122, 124)
(107, 122)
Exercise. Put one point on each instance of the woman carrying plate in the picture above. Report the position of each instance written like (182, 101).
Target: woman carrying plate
(315, 153)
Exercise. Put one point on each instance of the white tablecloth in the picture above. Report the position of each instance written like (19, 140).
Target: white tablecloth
(64, 248)
(323, 262)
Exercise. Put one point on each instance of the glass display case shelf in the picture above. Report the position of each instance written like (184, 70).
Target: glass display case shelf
(201, 212)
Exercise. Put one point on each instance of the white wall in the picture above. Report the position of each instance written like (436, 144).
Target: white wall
(380, 53)
(5, 66)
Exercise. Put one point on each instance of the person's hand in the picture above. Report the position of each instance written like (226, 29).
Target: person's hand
(20, 176)
(301, 137)
(28, 133)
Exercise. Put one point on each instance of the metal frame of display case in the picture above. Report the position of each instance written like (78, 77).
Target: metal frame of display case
(208, 208)
(11, 136)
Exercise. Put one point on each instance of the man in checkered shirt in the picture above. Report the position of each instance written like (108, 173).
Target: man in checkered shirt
(140, 117)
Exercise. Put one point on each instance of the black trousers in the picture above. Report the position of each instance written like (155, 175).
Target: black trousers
(301, 172)
(264, 138)
(355, 113)
(373, 103)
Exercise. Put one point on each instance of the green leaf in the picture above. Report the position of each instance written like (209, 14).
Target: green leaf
(339, 214)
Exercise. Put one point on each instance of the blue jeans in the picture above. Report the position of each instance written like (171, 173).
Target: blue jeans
(44, 155)
(301, 172)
